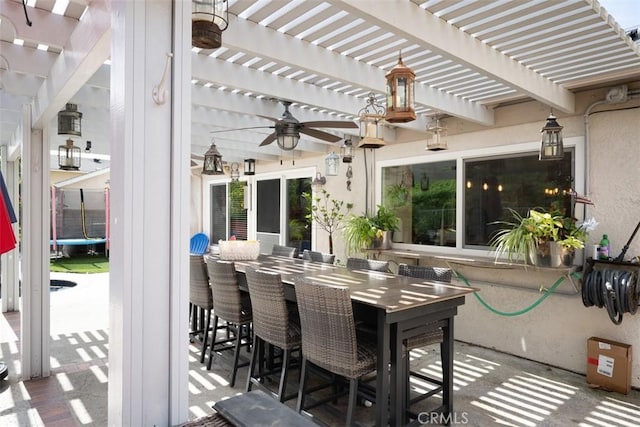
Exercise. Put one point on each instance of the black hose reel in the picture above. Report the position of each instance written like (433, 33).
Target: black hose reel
(612, 284)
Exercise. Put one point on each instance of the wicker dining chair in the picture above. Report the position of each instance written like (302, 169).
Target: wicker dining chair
(367, 264)
(287, 251)
(231, 306)
(316, 256)
(329, 338)
(200, 297)
(274, 323)
(431, 337)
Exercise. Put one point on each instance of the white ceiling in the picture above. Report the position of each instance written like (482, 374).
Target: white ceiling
(326, 56)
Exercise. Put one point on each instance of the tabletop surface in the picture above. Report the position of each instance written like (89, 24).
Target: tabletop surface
(383, 290)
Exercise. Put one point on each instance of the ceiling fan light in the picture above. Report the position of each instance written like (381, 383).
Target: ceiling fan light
(288, 141)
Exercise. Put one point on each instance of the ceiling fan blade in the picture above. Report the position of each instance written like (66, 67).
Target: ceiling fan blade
(273, 119)
(325, 136)
(197, 157)
(331, 124)
(268, 140)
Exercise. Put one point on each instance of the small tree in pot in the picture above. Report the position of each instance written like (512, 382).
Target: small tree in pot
(327, 212)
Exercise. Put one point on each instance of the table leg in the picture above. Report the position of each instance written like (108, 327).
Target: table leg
(447, 369)
(382, 375)
(398, 377)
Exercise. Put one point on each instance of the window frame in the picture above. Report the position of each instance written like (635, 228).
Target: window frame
(576, 143)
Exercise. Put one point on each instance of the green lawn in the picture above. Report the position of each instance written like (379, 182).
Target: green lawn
(81, 264)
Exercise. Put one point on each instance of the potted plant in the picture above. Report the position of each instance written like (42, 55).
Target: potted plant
(327, 212)
(365, 231)
(540, 238)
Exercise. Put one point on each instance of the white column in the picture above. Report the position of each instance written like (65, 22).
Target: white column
(148, 327)
(34, 311)
(9, 260)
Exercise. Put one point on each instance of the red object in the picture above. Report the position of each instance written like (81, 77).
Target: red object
(7, 238)
(592, 361)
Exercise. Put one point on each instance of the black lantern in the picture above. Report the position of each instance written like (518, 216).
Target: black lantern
(551, 144)
(400, 94)
(371, 116)
(70, 121)
(209, 18)
(212, 162)
(69, 156)
(346, 151)
(249, 166)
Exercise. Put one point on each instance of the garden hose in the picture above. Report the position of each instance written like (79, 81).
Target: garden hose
(547, 292)
(618, 291)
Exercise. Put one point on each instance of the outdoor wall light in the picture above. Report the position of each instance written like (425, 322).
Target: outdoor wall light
(249, 166)
(70, 121)
(400, 93)
(235, 172)
(209, 18)
(212, 162)
(319, 180)
(69, 156)
(332, 164)
(551, 147)
(87, 148)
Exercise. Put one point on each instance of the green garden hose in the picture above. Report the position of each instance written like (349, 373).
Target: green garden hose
(547, 292)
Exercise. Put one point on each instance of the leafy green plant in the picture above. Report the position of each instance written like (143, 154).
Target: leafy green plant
(361, 231)
(522, 237)
(327, 212)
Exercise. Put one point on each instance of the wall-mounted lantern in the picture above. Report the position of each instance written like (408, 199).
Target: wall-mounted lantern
(249, 166)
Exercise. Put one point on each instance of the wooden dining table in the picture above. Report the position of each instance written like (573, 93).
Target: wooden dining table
(403, 307)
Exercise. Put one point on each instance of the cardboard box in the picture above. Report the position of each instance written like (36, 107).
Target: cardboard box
(609, 365)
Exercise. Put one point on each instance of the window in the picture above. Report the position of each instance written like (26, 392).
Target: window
(423, 195)
(298, 226)
(234, 210)
(519, 182)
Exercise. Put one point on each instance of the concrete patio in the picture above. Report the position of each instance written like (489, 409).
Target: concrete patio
(491, 388)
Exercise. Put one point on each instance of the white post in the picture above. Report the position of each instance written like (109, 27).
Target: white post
(34, 312)
(148, 326)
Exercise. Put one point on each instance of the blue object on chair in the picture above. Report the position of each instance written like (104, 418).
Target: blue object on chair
(199, 244)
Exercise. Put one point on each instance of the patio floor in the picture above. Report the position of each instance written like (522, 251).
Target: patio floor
(490, 387)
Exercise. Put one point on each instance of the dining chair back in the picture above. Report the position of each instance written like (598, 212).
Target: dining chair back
(200, 299)
(316, 256)
(287, 251)
(329, 337)
(273, 322)
(367, 264)
(440, 274)
(232, 307)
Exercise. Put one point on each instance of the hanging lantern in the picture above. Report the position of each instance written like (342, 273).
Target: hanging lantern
(69, 156)
(249, 166)
(318, 181)
(346, 151)
(551, 147)
(70, 121)
(371, 117)
(212, 162)
(209, 18)
(332, 164)
(437, 139)
(400, 94)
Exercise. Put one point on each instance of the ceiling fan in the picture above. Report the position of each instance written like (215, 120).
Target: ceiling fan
(288, 129)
